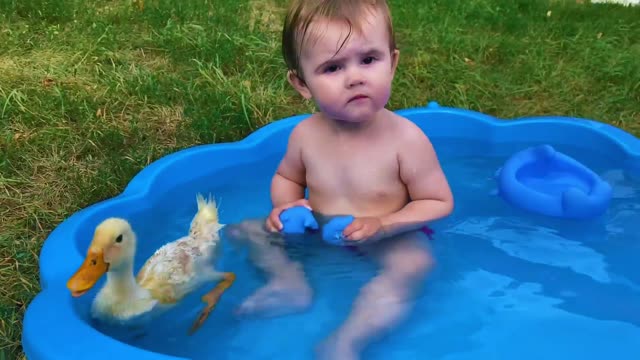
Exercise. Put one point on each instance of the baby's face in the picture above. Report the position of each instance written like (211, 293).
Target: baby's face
(354, 83)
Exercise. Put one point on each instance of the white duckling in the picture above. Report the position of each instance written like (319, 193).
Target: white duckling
(173, 271)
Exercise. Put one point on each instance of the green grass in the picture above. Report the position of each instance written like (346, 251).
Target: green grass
(91, 92)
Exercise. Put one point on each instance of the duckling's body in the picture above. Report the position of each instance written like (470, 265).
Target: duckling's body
(172, 272)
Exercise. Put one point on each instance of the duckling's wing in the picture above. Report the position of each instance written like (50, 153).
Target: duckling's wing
(169, 273)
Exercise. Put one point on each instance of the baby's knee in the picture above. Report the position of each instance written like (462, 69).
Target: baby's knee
(413, 265)
(418, 262)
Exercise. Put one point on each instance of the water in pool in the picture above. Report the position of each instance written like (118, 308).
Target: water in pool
(508, 284)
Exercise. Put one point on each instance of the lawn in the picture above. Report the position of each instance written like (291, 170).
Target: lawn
(93, 91)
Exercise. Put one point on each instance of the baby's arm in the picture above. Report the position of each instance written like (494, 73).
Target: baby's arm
(430, 194)
(288, 183)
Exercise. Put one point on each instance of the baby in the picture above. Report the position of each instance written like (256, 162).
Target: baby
(357, 158)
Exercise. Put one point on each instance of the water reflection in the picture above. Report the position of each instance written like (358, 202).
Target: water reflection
(535, 243)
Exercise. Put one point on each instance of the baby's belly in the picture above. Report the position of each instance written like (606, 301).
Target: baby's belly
(357, 203)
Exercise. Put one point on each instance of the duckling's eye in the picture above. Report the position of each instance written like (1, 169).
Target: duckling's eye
(119, 238)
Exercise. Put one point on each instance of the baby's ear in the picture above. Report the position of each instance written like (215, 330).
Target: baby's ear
(395, 56)
(298, 84)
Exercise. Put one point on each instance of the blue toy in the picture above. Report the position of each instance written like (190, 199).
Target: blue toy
(297, 220)
(543, 180)
(332, 231)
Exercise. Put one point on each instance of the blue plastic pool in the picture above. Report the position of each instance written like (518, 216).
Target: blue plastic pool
(509, 283)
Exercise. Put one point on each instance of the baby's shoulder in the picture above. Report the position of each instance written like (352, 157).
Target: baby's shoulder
(405, 129)
(306, 127)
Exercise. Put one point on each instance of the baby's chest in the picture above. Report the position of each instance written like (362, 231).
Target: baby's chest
(355, 171)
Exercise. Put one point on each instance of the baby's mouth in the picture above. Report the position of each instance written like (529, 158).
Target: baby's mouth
(357, 97)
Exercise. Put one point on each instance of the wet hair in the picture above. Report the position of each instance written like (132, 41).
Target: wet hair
(302, 13)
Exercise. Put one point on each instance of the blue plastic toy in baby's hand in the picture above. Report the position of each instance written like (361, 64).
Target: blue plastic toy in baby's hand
(332, 231)
(297, 220)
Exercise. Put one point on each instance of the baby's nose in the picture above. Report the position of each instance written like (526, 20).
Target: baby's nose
(355, 78)
(356, 82)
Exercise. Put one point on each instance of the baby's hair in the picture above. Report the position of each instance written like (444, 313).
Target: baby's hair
(303, 12)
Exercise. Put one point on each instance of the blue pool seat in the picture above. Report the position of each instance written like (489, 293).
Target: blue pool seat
(543, 180)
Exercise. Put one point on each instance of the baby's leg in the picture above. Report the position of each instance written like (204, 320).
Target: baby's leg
(385, 300)
(286, 290)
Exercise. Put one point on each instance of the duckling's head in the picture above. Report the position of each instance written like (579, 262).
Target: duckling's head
(112, 249)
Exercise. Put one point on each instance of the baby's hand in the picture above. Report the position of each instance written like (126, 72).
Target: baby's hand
(273, 221)
(364, 228)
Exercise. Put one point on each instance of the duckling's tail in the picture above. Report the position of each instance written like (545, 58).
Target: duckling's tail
(206, 217)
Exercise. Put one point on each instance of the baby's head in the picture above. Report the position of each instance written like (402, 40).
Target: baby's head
(342, 54)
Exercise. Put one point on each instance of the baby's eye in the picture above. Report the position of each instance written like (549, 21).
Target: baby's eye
(331, 68)
(368, 60)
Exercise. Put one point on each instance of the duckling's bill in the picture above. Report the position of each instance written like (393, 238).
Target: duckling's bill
(88, 274)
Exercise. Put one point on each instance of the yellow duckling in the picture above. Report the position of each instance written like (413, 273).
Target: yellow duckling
(173, 271)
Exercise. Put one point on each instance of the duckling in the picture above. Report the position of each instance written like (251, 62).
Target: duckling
(172, 272)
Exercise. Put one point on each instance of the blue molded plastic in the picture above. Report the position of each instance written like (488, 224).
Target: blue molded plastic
(543, 180)
(332, 231)
(297, 219)
(52, 328)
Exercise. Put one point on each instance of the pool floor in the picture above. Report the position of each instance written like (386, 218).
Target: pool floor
(508, 284)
